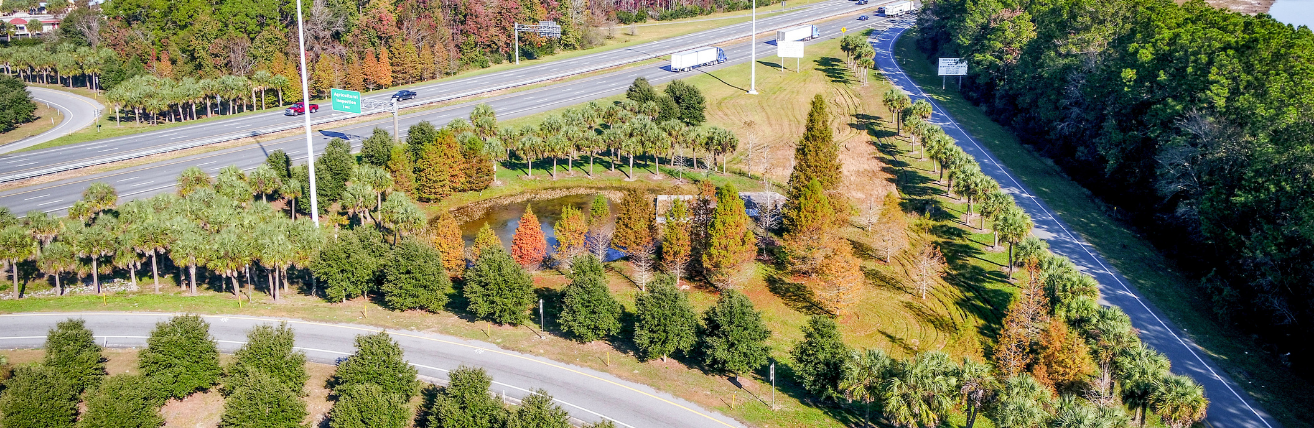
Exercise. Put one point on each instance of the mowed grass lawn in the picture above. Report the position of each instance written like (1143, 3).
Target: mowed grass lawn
(959, 317)
(1284, 395)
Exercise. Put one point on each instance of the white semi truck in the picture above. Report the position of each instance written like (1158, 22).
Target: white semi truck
(690, 59)
(897, 8)
(804, 32)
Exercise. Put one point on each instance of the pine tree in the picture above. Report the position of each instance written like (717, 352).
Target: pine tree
(528, 245)
(690, 100)
(447, 240)
(415, 279)
(820, 359)
(123, 401)
(485, 240)
(377, 149)
(817, 155)
(378, 361)
(666, 322)
(634, 224)
(499, 289)
(262, 401)
(570, 231)
(676, 243)
(588, 311)
(731, 244)
(71, 351)
(401, 168)
(810, 222)
(466, 402)
(539, 410)
(734, 336)
(180, 356)
(839, 277)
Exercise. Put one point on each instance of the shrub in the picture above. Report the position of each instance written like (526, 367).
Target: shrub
(378, 360)
(262, 401)
(465, 402)
(180, 357)
(72, 352)
(123, 401)
(268, 349)
(368, 406)
(539, 411)
(38, 397)
(415, 279)
(499, 290)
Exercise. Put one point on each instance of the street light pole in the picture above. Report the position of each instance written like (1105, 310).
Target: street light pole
(752, 56)
(305, 99)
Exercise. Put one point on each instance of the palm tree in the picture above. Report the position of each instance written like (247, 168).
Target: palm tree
(291, 191)
(400, 215)
(16, 245)
(376, 179)
(95, 242)
(975, 386)
(528, 148)
(306, 243)
(154, 239)
(1013, 225)
(127, 240)
(264, 180)
(56, 259)
(495, 149)
(275, 252)
(1021, 403)
(1138, 371)
(1075, 413)
(43, 227)
(260, 82)
(484, 121)
(228, 254)
(864, 376)
(920, 390)
(190, 247)
(1179, 401)
(100, 197)
(358, 199)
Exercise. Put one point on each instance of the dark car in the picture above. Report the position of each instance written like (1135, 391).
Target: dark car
(403, 95)
(862, 18)
(299, 109)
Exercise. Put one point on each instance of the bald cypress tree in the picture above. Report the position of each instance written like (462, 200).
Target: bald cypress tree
(817, 154)
(447, 240)
(731, 244)
(529, 246)
(438, 170)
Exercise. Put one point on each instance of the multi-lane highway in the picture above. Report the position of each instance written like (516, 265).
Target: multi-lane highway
(25, 165)
(145, 180)
(588, 395)
(79, 112)
(1229, 405)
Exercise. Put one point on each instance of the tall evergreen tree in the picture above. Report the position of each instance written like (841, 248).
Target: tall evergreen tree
(71, 351)
(262, 402)
(180, 357)
(269, 350)
(666, 322)
(415, 279)
(37, 396)
(731, 245)
(351, 265)
(817, 155)
(539, 410)
(368, 405)
(122, 401)
(377, 149)
(378, 361)
(641, 91)
(332, 170)
(820, 359)
(734, 336)
(438, 169)
(499, 289)
(528, 245)
(466, 402)
(690, 101)
(588, 311)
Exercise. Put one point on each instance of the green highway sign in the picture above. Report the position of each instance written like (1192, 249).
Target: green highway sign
(345, 101)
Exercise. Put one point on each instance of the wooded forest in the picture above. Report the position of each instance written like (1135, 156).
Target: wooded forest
(1194, 121)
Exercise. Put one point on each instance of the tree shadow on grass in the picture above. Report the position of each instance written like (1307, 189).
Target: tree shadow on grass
(940, 322)
(796, 296)
(846, 415)
(833, 68)
(898, 341)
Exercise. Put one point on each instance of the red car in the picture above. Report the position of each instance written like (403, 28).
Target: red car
(300, 109)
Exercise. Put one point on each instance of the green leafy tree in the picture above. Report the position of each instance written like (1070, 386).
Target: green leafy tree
(368, 405)
(485, 240)
(71, 351)
(466, 402)
(281, 163)
(438, 168)
(16, 105)
(180, 357)
(589, 312)
(332, 170)
(350, 266)
(378, 361)
(641, 91)
(538, 410)
(262, 401)
(123, 401)
(690, 100)
(820, 359)
(498, 288)
(666, 322)
(377, 149)
(731, 244)
(38, 397)
(677, 243)
(402, 169)
(415, 279)
(268, 350)
(734, 336)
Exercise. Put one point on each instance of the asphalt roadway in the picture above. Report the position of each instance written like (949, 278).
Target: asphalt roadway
(79, 154)
(1229, 406)
(150, 179)
(588, 395)
(79, 112)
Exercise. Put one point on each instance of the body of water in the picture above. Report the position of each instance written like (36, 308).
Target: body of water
(1294, 12)
(504, 219)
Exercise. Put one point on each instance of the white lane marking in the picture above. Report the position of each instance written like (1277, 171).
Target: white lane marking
(36, 197)
(50, 202)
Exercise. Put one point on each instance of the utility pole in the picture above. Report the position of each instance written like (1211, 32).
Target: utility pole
(396, 131)
(752, 56)
(305, 97)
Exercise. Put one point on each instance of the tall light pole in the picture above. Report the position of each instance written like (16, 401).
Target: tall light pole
(752, 56)
(305, 106)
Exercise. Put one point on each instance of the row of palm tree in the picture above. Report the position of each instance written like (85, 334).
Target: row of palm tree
(624, 130)
(156, 98)
(38, 64)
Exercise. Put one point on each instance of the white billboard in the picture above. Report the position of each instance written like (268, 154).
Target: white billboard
(952, 67)
(789, 49)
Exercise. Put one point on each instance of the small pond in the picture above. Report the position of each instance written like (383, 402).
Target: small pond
(505, 218)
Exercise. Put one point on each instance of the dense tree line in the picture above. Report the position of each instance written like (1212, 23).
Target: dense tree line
(16, 105)
(1193, 119)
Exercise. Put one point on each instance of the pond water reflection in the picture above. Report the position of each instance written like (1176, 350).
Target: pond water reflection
(504, 219)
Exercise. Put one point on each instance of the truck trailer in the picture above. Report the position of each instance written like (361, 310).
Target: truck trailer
(804, 32)
(897, 8)
(690, 59)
